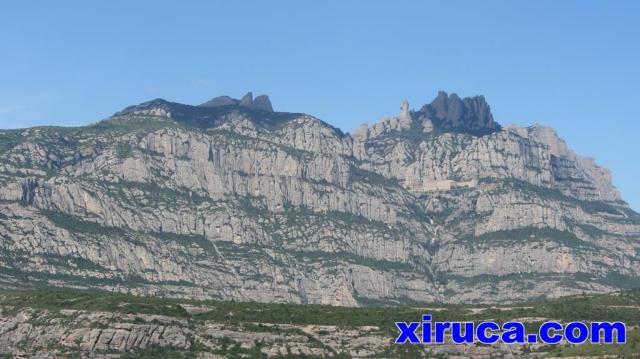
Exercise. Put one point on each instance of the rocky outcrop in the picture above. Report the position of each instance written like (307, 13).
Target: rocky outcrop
(100, 325)
(261, 102)
(451, 113)
(225, 201)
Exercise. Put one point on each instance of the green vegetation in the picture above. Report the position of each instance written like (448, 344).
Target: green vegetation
(42, 280)
(624, 306)
(357, 174)
(89, 301)
(591, 231)
(527, 234)
(73, 224)
(158, 194)
(71, 262)
(295, 215)
(556, 195)
(154, 352)
(327, 257)
(9, 139)
(188, 240)
(124, 150)
(629, 350)
(620, 280)
(119, 125)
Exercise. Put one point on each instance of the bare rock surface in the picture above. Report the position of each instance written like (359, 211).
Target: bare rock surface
(231, 200)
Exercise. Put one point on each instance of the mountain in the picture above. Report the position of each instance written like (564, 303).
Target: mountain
(232, 200)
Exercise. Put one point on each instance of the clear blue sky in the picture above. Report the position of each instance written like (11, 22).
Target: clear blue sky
(572, 65)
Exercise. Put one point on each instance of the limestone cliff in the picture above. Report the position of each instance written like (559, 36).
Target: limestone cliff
(232, 200)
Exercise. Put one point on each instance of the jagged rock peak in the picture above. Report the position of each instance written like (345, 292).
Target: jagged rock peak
(247, 100)
(469, 114)
(405, 114)
(261, 102)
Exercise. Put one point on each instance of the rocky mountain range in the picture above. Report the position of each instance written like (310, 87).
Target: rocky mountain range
(233, 200)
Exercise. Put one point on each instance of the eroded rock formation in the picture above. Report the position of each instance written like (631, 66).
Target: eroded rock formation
(231, 200)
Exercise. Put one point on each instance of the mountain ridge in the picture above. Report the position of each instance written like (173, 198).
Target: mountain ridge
(233, 202)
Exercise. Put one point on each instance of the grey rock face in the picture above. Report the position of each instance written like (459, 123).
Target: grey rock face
(261, 102)
(247, 100)
(405, 114)
(32, 333)
(210, 202)
(451, 113)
